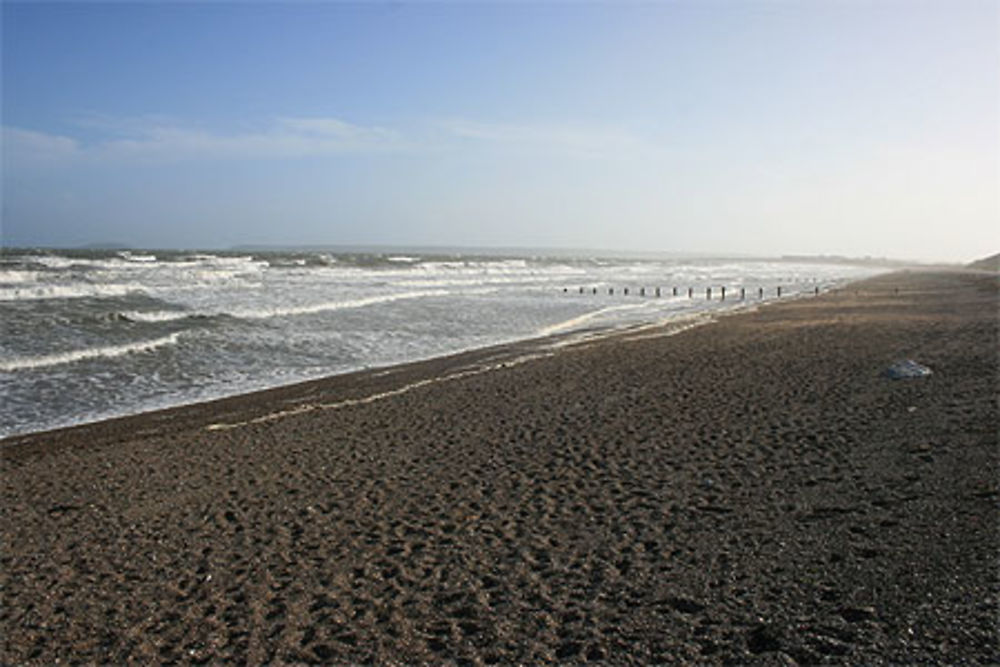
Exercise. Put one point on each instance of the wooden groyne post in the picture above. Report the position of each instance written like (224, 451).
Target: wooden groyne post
(658, 291)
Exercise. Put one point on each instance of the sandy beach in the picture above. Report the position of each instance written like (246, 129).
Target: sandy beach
(754, 490)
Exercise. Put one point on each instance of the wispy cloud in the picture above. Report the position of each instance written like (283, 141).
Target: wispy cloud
(575, 139)
(336, 128)
(162, 140)
(29, 147)
(157, 140)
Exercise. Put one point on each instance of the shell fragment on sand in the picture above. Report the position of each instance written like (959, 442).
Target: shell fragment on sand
(907, 369)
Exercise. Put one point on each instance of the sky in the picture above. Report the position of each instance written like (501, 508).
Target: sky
(760, 128)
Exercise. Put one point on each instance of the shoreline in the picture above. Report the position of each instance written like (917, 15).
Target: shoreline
(345, 387)
(752, 491)
(424, 369)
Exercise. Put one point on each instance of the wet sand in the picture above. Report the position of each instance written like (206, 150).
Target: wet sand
(753, 490)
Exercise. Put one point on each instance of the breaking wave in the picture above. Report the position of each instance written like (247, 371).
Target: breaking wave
(12, 277)
(79, 291)
(110, 351)
(312, 308)
(155, 315)
(276, 311)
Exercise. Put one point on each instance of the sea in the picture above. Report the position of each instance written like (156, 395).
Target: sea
(91, 334)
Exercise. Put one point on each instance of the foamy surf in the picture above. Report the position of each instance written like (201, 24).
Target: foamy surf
(156, 315)
(17, 277)
(278, 311)
(108, 352)
(78, 291)
(314, 308)
(586, 318)
(103, 328)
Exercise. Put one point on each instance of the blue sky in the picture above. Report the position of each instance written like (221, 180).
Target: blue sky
(860, 128)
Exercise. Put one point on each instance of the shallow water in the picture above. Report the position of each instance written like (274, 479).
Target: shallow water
(93, 334)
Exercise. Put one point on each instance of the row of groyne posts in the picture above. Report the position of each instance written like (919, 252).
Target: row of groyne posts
(657, 292)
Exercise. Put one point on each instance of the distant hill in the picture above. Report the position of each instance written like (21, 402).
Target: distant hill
(991, 263)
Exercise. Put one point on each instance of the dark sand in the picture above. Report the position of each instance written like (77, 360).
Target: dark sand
(752, 490)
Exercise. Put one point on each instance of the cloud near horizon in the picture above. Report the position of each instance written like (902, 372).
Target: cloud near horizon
(158, 140)
(20, 146)
(575, 139)
(163, 141)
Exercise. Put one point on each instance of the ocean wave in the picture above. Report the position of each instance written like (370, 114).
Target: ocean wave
(79, 291)
(16, 277)
(62, 263)
(55, 261)
(230, 261)
(145, 263)
(155, 315)
(131, 257)
(110, 351)
(474, 266)
(312, 308)
(476, 279)
(261, 313)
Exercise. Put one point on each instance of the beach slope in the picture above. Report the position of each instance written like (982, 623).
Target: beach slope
(755, 489)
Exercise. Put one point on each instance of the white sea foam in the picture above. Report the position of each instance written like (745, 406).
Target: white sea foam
(312, 308)
(488, 266)
(110, 351)
(575, 322)
(130, 257)
(260, 313)
(56, 262)
(155, 315)
(373, 398)
(464, 282)
(13, 277)
(208, 258)
(512, 272)
(241, 261)
(73, 291)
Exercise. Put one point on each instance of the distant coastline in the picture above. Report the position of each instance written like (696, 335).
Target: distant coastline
(503, 251)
